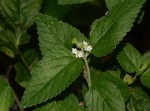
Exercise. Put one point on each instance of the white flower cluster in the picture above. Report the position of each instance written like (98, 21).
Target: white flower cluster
(78, 53)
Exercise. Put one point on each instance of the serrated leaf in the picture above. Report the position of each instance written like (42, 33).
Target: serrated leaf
(58, 67)
(20, 12)
(130, 59)
(69, 104)
(104, 96)
(65, 2)
(6, 95)
(139, 100)
(145, 78)
(112, 76)
(108, 31)
(118, 82)
(111, 3)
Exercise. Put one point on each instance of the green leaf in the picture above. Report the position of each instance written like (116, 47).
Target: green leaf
(112, 76)
(104, 96)
(145, 78)
(22, 75)
(6, 95)
(130, 59)
(7, 51)
(118, 82)
(139, 101)
(65, 2)
(69, 104)
(20, 12)
(58, 67)
(108, 31)
(52, 8)
(112, 3)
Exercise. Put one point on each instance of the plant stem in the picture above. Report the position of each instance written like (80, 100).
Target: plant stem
(88, 78)
(18, 102)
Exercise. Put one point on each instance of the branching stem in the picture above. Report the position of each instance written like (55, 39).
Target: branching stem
(87, 72)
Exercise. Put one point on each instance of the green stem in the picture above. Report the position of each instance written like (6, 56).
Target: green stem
(88, 79)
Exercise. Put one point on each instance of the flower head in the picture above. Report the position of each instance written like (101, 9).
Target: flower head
(79, 54)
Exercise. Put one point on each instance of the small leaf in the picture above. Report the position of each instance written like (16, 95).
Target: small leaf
(58, 67)
(22, 75)
(6, 95)
(108, 31)
(69, 104)
(7, 51)
(145, 78)
(65, 2)
(139, 100)
(111, 3)
(104, 96)
(130, 59)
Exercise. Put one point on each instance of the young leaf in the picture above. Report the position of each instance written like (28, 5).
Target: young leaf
(145, 78)
(58, 67)
(104, 96)
(130, 59)
(139, 100)
(65, 2)
(69, 104)
(108, 31)
(111, 3)
(6, 95)
(20, 12)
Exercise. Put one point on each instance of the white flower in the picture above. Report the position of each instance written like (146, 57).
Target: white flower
(79, 54)
(89, 48)
(74, 50)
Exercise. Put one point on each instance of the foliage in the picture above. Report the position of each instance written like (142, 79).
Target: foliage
(66, 73)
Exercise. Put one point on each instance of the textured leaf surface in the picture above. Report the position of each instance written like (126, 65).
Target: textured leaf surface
(139, 100)
(108, 31)
(20, 11)
(145, 78)
(6, 95)
(111, 3)
(69, 104)
(58, 67)
(130, 59)
(64, 2)
(118, 82)
(104, 96)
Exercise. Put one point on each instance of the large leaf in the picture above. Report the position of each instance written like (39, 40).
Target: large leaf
(130, 59)
(104, 96)
(111, 3)
(52, 8)
(6, 95)
(20, 12)
(69, 104)
(58, 67)
(145, 78)
(108, 31)
(64, 2)
(139, 100)
(109, 75)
